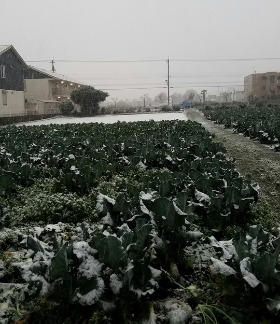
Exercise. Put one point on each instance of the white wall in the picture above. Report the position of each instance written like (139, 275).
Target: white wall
(37, 89)
(15, 103)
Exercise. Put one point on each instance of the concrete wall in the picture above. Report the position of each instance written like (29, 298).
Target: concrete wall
(262, 84)
(47, 108)
(37, 89)
(248, 85)
(19, 119)
(15, 103)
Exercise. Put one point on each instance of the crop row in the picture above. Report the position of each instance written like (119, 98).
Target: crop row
(78, 160)
(144, 214)
(256, 122)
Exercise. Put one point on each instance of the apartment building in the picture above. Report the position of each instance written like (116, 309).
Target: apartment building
(45, 90)
(262, 85)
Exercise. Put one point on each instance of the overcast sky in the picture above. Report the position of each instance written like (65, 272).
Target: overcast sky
(124, 30)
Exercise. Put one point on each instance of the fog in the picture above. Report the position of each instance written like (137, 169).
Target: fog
(123, 46)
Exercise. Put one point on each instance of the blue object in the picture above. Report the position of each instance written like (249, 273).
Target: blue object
(186, 104)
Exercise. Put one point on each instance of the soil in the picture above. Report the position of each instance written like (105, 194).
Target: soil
(252, 158)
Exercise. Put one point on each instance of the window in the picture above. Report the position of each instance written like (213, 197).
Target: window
(2, 71)
(4, 97)
(264, 78)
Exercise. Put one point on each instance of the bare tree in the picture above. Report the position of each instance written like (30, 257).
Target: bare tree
(115, 101)
(225, 96)
(161, 98)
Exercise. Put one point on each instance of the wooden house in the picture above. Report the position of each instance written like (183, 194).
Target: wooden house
(12, 69)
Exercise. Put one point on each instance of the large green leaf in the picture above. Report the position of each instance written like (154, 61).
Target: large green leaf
(182, 201)
(166, 214)
(241, 245)
(7, 184)
(264, 268)
(142, 232)
(232, 195)
(60, 265)
(127, 239)
(109, 248)
(122, 206)
(273, 305)
(34, 244)
(259, 235)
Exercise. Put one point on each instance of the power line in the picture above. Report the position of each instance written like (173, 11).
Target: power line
(160, 60)
(160, 74)
(228, 59)
(99, 61)
(156, 84)
(175, 87)
(132, 88)
(211, 86)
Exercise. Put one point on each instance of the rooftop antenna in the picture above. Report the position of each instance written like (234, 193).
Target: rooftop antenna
(53, 68)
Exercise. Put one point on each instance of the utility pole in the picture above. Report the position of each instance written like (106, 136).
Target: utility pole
(53, 68)
(203, 92)
(168, 77)
(144, 97)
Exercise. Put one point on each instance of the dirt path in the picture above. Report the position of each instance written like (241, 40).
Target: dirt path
(251, 157)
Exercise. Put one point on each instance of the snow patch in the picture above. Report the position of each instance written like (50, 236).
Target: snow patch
(178, 312)
(115, 284)
(245, 268)
(221, 268)
(200, 196)
(90, 267)
(93, 295)
(155, 272)
(227, 247)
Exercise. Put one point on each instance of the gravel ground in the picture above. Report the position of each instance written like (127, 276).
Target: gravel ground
(252, 158)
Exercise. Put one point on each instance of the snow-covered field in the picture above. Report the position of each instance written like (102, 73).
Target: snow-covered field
(109, 119)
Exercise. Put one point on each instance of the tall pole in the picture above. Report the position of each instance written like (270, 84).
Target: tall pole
(144, 97)
(53, 68)
(168, 81)
(203, 92)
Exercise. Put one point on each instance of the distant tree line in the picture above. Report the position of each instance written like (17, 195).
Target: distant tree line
(88, 100)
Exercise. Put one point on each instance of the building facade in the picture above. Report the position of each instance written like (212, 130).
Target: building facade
(26, 90)
(262, 85)
(12, 69)
(44, 90)
(239, 96)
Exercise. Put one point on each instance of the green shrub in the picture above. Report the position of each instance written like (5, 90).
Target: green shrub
(66, 107)
(165, 108)
(176, 108)
(40, 203)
